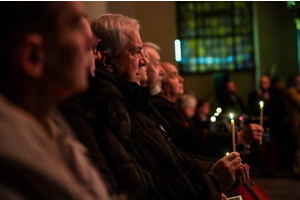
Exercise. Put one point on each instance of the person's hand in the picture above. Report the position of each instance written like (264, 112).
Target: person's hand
(224, 170)
(241, 176)
(250, 133)
(223, 196)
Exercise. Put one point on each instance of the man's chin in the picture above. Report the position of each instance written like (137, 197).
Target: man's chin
(155, 90)
(138, 82)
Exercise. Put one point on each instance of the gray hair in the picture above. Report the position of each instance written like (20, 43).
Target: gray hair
(110, 29)
(152, 45)
(187, 100)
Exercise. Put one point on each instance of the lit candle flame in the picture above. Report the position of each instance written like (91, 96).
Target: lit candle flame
(261, 103)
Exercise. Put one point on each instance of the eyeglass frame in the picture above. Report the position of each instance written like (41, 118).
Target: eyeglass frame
(95, 48)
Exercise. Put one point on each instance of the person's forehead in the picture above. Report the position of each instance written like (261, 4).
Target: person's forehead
(74, 10)
(230, 84)
(155, 56)
(172, 69)
(134, 38)
(152, 53)
(264, 79)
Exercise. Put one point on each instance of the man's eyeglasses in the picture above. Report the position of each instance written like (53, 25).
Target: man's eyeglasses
(95, 48)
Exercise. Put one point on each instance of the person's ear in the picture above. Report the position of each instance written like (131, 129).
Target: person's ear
(106, 61)
(31, 55)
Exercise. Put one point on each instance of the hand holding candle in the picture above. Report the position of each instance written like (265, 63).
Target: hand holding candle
(261, 106)
(232, 132)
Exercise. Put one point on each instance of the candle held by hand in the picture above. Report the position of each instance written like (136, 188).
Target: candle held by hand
(261, 107)
(232, 132)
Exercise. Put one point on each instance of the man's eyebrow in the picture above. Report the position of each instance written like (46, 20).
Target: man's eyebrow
(136, 48)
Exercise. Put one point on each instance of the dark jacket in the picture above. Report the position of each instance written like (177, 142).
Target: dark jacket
(193, 140)
(105, 110)
(232, 104)
(73, 112)
(105, 132)
(253, 104)
(175, 176)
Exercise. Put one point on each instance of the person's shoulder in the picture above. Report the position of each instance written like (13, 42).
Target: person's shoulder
(14, 119)
(21, 135)
(157, 100)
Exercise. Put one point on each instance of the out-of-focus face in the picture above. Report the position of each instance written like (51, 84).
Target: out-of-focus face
(190, 111)
(144, 76)
(173, 82)
(128, 64)
(204, 109)
(230, 87)
(265, 82)
(154, 69)
(69, 60)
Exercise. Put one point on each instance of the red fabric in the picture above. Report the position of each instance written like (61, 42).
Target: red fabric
(257, 189)
(181, 115)
(204, 138)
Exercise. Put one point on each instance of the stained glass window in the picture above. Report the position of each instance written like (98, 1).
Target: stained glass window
(214, 36)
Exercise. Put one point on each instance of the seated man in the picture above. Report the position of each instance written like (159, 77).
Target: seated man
(45, 57)
(231, 102)
(202, 118)
(187, 105)
(174, 175)
(119, 168)
(191, 139)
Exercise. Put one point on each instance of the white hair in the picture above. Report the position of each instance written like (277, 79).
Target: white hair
(187, 100)
(110, 28)
(152, 45)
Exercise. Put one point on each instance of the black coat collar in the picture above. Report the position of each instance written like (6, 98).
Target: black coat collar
(134, 94)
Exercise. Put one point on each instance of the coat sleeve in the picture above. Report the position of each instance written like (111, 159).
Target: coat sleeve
(193, 139)
(203, 167)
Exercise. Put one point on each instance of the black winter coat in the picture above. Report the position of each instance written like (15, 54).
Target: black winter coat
(105, 131)
(110, 122)
(175, 176)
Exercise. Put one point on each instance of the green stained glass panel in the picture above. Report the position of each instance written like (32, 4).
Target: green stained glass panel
(215, 36)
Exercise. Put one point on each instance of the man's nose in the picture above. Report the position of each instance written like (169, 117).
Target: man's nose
(161, 70)
(144, 60)
(181, 79)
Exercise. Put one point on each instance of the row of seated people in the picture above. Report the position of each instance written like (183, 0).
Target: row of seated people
(279, 118)
(107, 141)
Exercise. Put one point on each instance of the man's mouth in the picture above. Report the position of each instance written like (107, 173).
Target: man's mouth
(138, 74)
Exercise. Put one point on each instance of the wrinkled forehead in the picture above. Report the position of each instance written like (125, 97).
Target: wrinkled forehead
(152, 54)
(134, 40)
